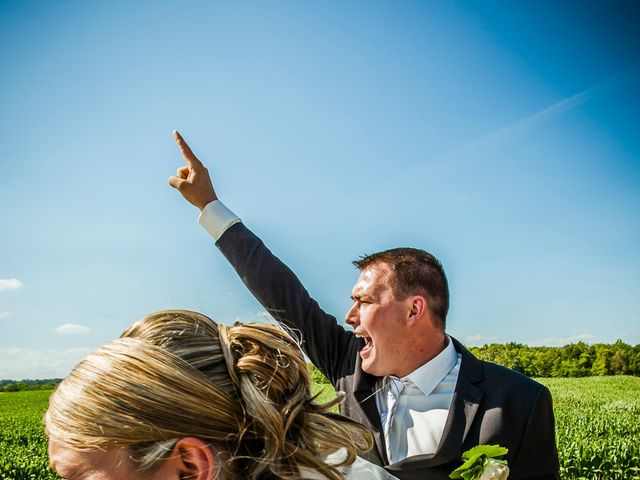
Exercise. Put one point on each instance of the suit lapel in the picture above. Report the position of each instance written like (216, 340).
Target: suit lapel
(464, 405)
(365, 393)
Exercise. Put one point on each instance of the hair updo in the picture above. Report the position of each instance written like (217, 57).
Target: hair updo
(244, 389)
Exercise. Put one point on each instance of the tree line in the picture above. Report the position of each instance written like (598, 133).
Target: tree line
(573, 360)
(28, 384)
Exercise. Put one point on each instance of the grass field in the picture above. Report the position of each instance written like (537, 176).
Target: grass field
(23, 447)
(597, 426)
(597, 422)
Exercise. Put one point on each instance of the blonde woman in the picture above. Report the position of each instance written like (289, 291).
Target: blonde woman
(178, 396)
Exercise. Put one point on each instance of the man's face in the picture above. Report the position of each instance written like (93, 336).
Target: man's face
(380, 320)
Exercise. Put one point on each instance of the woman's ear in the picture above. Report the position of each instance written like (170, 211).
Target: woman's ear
(193, 459)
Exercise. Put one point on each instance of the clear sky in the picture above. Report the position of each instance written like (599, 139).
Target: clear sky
(504, 137)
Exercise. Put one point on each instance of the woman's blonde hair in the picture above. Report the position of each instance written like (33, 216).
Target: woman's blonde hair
(245, 390)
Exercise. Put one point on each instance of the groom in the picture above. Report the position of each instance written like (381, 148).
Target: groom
(423, 395)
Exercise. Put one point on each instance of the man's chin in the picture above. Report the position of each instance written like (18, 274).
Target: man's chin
(368, 366)
(365, 365)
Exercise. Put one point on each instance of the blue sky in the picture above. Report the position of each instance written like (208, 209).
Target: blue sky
(504, 137)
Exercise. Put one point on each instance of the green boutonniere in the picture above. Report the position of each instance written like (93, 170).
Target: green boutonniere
(483, 463)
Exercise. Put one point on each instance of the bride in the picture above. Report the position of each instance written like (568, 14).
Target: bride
(178, 396)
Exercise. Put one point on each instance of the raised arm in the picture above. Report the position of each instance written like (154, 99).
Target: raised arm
(276, 287)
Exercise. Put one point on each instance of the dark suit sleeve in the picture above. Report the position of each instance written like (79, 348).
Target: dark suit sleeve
(537, 455)
(276, 287)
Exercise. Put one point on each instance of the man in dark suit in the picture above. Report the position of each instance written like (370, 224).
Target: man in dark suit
(424, 396)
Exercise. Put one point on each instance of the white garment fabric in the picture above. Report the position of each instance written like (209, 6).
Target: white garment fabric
(358, 470)
(416, 423)
(216, 218)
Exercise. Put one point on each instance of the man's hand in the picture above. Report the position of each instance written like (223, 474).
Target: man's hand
(192, 180)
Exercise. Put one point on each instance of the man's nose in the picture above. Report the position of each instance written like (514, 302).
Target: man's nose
(351, 318)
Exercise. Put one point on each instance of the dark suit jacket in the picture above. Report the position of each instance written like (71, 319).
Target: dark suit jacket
(491, 404)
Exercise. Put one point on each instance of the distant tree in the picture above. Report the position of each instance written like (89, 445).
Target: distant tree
(22, 385)
(573, 360)
(544, 360)
(634, 361)
(620, 359)
(602, 362)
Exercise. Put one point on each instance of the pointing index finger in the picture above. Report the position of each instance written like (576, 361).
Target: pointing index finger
(188, 155)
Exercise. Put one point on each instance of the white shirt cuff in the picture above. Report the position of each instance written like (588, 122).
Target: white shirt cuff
(216, 218)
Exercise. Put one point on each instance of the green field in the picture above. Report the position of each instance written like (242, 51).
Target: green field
(23, 447)
(597, 421)
(597, 426)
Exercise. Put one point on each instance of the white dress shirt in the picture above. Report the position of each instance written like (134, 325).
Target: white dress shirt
(422, 406)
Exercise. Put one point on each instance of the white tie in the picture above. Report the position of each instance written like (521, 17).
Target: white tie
(395, 388)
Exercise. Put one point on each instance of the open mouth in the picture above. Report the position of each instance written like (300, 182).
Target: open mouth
(366, 344)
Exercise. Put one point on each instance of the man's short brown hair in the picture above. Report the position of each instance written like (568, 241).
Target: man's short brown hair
(415, 272)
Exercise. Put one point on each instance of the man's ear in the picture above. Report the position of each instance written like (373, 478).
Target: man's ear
(417, 308)
(194, 459)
